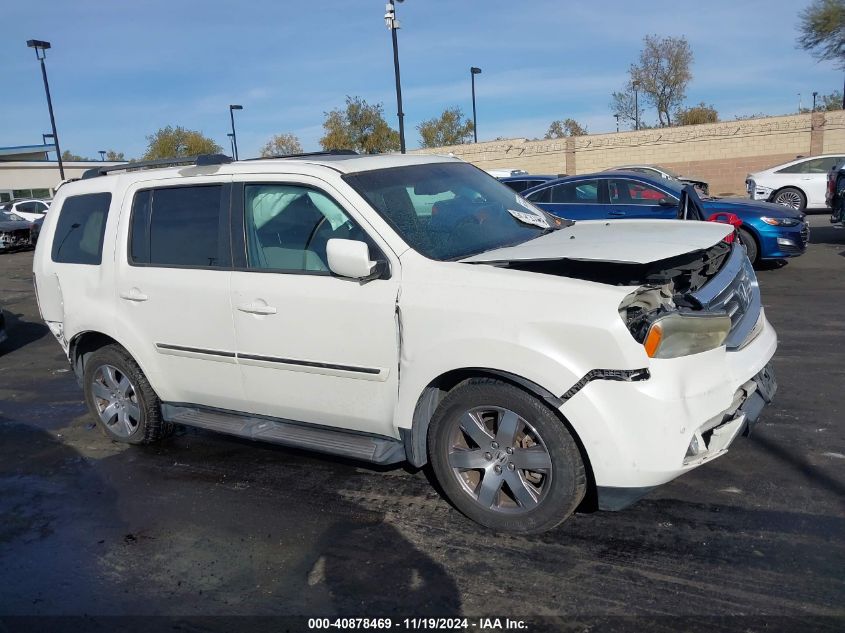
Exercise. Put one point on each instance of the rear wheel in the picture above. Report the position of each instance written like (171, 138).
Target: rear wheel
(504, 458)
(791, 197)
(121, 399)
(750, 245)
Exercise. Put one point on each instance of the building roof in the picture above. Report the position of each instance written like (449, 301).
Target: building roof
(26, 152)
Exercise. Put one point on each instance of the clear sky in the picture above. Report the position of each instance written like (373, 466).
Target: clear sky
(119, 70)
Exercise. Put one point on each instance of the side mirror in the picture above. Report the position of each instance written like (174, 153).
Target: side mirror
(351, 258)
(667, 202)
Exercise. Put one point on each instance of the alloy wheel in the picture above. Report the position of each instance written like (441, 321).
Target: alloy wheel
(500, 460)
(790, 199)
(116, 400)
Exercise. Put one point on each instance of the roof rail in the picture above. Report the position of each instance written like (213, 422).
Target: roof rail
(331, 152)
(200, 160)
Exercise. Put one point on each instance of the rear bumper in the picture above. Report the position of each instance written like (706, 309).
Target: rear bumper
(756, 394)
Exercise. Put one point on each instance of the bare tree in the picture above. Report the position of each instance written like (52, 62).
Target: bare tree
(623, 102)
(662, 73)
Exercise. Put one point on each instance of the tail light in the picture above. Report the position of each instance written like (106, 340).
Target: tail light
(724, 217)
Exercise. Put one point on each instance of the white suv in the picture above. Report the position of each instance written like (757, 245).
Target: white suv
(800, 184)
(391, 308)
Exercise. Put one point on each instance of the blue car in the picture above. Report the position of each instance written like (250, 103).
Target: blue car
(769, 231)
(527, 181)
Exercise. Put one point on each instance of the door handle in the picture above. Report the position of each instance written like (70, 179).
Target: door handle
(133, 295)
(257, 308)
(616, 212)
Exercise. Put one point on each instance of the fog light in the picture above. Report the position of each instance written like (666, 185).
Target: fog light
(785, 241)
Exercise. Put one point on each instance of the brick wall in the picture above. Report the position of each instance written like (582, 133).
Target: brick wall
(720, 153)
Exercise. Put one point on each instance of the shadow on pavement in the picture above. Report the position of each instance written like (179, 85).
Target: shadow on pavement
(21, 333)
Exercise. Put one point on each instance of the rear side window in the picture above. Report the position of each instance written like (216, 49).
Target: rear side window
(80, 229)
(179, 226)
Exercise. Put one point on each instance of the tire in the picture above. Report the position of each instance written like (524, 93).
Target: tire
(482, 431)
(791, 197)
(750, 244)
(121, 399)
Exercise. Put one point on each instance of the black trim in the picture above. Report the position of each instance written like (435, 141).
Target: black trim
(200, 160)
(620, 375)
(271, 359)
(618, 498)
(196, 350)
(308, 363)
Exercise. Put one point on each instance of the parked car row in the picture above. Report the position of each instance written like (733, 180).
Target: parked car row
(768, 231)
(20, 223)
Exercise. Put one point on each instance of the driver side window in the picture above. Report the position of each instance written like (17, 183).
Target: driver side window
(288, 227)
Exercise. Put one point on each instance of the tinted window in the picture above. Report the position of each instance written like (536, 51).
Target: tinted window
(581, 192)
(27, 207)
(821, 165)
(518, 185)
(797, 168)
(542, 195)
(633, 192)
(80, 229)
(179, 226)
(288, 227)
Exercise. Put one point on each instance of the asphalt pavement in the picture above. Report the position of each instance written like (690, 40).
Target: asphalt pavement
(204, 524)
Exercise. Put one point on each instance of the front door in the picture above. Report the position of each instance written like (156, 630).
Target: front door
(635, 199)
(312, 347)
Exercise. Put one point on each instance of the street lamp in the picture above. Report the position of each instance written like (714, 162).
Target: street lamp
(616, 116)
(40, 53)
(636, 85)
(232, 109)
(232, 142)
(473, 71)
(393, 25)
(102, 154)
(815, 94)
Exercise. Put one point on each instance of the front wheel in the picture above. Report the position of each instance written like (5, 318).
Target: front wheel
(791, 197)
(504, 458)
(750, 244)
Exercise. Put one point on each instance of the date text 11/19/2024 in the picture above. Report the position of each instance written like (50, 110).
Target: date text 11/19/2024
(419, 624)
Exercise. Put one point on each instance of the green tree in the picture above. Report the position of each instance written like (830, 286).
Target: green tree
(450, 128)
(662, 75)
(822, 28)
(694, 115)
(114, 156)
(176, 142)
(360, 127)
(564, 128)
(67, 156)
(281, 145)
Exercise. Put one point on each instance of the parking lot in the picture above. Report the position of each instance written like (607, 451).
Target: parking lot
(204, 524)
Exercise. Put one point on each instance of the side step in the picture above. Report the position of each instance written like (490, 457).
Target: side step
(371, 448)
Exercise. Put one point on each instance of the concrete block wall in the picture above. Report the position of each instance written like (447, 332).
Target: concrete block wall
(721, 153)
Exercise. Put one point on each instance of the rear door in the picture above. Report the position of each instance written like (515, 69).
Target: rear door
(312, 347)
(814, 179)
(629, 198)
(575, 200)
(173, 274)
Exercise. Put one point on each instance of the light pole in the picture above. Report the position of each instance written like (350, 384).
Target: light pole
(616, 116)
(815, 94)
(799, 103)
(232, 142)
(393, 25)
(636, 85)
(102, 154)
(473, 71)
(40, 53)
(232, 109)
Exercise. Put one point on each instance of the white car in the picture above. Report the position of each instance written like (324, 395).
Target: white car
(324, 302)
(800, 184)
(29, 210)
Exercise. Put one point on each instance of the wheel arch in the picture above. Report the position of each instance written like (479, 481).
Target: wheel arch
(85, 343)
(415, 438)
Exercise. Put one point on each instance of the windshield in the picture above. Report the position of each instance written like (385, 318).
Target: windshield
(449, 211)
(7, 216)
(669, 172)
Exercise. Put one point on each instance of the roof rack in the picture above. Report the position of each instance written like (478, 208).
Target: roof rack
(331, 152)
(200, 160)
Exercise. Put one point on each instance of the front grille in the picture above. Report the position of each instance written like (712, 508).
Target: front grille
(734, 290)
(805, 234)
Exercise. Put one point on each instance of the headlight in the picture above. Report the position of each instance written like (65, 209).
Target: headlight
(780, 221)
(676, 334)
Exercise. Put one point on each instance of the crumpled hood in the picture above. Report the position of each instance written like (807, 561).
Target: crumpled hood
(628, 241)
